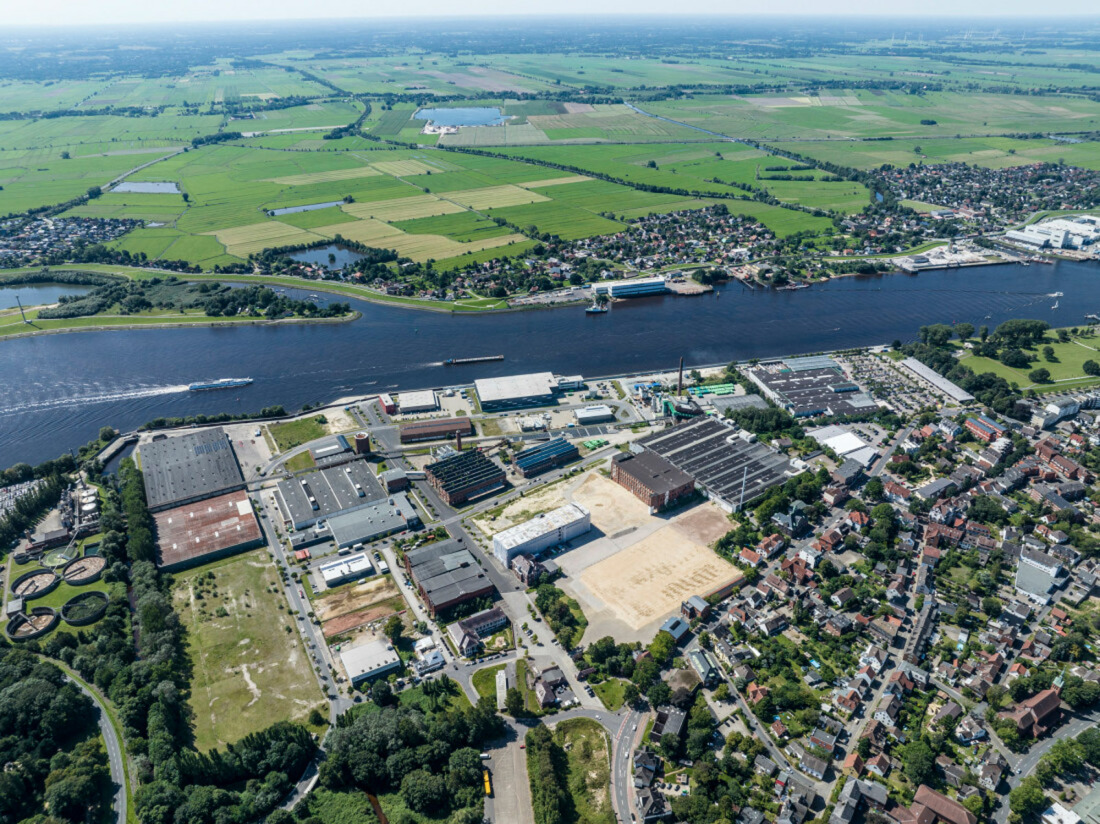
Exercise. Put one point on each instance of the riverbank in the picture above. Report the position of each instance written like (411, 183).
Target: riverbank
(12, 325)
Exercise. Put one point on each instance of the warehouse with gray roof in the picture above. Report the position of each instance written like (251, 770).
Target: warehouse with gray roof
(311, 497)
(446, 574)
(188, 468)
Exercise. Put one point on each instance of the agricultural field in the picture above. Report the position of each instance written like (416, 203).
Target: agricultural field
(250, 665)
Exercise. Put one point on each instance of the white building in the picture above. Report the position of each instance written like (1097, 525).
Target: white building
(343, 570)
(542, 532)
(410, 402)
(369, 661)
(601, 413)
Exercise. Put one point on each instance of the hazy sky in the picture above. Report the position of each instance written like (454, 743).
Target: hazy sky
(79, 12)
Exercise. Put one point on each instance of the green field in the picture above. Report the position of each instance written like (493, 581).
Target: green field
(290, 434)
(485, 681)
(589, 750)
(1066, 370)
(250, 666)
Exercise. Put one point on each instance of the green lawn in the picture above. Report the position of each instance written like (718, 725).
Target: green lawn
(611, 693)
(485, 681)
(250, 666)
(290, 434)
(589, 769)
(303, 460)
(1065, 371)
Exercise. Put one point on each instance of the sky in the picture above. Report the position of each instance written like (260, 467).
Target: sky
(82, 12)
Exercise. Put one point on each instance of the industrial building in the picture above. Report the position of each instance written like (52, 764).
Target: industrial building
(930, 376)
(464, 475)
(188, 468)
(335, 450)
(729, 469)
(435, 430)
(346, 570)
(807, 389)
(653, 480)
(387, 404)
(516, 391)
(633, 288)
(731, 403)
(544, 456)
(467, 634)
(601, 413)
(377, 520)
(369, 661)
(412, 402)
(535, 536)
(845, 443)
(446, 574)
(205, 531)
(314, 496)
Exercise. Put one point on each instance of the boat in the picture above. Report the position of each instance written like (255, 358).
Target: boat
(596, 309)
(461, 361)
(1055, 306)
(221, 383)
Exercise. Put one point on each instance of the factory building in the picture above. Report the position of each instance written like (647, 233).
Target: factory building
(732, 403)
(346, 570)
(516, 391)
(412, 402)
(544, 456)
(314, 496)
(930, 376)
(464, 475)
(377, 520)
(387, 404)
(728, 468)
(653, 480)
(205, 531)
(633, 288)
(540, 533)
(811, 387)
(435, 430)
(369, 661)
(188, 468)
(446, 574)
(332, 451)
(600, 413)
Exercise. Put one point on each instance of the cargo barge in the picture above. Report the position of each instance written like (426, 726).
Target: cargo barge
(463, 361)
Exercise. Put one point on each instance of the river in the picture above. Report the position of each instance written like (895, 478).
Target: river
(59, 389)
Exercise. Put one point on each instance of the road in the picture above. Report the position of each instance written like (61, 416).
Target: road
(115, 752)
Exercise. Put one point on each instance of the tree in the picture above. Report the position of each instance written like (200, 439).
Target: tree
(723, 692)
(1015, 358)
(863, 747)
(381, 694)
(280, 817)
(393, 628)
(1027, 799)
(1091, 367)
(918, 762)
(659, 694)
(991, 606)
(424, 792)
(670, 745)
(983, 333)
(513, 702)
(964, 330)
(1048, 354)
(1040, 375)
(315, 717)
(631, 693)
(874, 489)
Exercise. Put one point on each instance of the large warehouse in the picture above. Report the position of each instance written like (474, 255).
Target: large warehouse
(541, 532)
(412, 402)
(811, 389)
(205, 531)
(653, 480)
(314, 496)
(446, 574)
(376, 520)
(721, 462)
(464, 475)
(369, 661)
(544, 456)
(188, 468)
(516, 391)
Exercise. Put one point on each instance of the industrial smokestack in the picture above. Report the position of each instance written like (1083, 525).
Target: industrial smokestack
(680, 379)
(458, 441)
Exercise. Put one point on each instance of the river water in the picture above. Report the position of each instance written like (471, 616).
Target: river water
(59, 389)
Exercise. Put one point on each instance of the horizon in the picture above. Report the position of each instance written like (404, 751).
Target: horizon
(125, 13)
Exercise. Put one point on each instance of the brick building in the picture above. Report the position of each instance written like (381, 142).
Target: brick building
(652, 479)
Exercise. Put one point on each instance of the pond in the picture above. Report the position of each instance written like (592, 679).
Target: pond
(35, 294)
(320, 256)
(148, 188)
(472, 116)
(309, 207)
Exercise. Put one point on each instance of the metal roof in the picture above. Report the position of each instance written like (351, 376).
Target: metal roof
(189, 467)
(513, 388)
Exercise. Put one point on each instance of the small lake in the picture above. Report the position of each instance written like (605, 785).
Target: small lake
(320, 256)
(310, 207)
(34, 294)
(148, 188)
(474, 116)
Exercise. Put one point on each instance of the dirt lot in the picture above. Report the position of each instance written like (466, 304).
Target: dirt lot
(523, 509)
(354, 606)
(648, 580)
(614, 510)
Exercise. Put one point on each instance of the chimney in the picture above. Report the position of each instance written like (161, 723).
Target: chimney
(458, 441)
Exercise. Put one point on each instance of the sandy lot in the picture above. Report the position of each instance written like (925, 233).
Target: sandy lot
(358, 605)
(525, 508)
(634, 569)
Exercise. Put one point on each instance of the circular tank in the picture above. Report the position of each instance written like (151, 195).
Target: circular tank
(84, 609)
(33, 623)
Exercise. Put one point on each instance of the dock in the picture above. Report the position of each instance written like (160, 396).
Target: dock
(688, 287)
